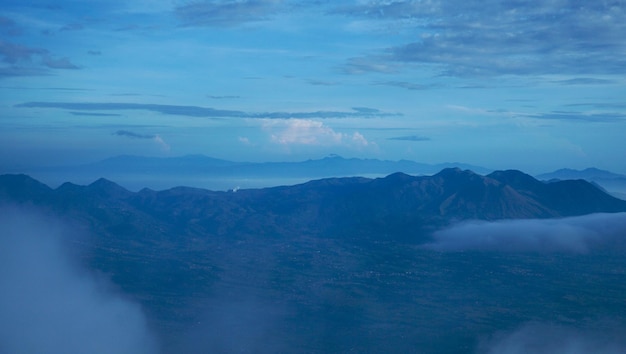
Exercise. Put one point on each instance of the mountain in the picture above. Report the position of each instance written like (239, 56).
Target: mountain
(614, 183)
(136, 172)
(337, 264)
(588, 174)
(397, 202)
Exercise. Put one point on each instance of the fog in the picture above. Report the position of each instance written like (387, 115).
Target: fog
(568, 235)
(545, 338)
(51, 304)
(236, 324)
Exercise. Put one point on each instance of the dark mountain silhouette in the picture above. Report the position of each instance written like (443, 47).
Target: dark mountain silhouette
(398, 205)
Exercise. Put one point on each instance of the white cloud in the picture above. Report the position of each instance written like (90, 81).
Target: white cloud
(49, 303)
(310, 132)
(543, 338)
(359, 140)
(569, 235)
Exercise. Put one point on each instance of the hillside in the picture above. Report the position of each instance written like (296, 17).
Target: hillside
(342, 264)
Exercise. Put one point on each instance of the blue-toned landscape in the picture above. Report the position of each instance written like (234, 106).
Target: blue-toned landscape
(294, 176)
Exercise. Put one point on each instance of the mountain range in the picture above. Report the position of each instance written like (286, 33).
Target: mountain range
(327, 206)
(136, 172)
(338, 264)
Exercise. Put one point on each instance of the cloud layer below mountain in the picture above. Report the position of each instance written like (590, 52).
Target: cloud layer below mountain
(543, 338)
(50, 304)
(569, 235)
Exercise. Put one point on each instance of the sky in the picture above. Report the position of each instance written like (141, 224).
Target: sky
(530, 85)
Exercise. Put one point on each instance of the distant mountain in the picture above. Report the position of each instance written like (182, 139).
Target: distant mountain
(589, 174)
(135, 172)
(614, 183)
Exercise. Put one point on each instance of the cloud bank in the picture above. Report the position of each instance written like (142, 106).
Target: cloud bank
(207, 112)
(568, 235)
(49, 304)
(542, 338)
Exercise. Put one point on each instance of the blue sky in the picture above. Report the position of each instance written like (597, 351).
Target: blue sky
(502, 84)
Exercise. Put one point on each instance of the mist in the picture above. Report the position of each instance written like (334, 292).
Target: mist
(576, 235)
(547, 338)
(49, 303)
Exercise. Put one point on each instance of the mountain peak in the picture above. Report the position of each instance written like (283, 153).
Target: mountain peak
(21, 184)
(455, 172)
(103, 186)
(515, 178)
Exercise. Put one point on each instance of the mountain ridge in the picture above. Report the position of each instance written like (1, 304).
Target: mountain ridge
(331, 206)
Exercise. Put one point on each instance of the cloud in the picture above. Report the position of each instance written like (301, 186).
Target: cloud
(366, 110)
(72, 27)
(133, 135)
(359, 140)
(28, 61)
(218, 13)
(582, 116)
(585, 81)
(9, 27)
(223, 97)
(92, 114)
(310, 132)
(410, 138)
(196, 111)
(302, 132)
(494, 38)
(49, 303)
(405, 85)
(568, 235)
(61, 63)
(12, 53)
(545, 338)
(155, 137)
(367, 64)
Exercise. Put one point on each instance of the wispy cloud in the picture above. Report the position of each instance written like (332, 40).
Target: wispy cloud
(225, 97)
(406, 85)
(574, 116)
(585, 81)
(196, 111)
(21, 60)
(410, 138)
(128, 133)
(92, 114)
(492, 38)
(217, 13)
(9, 27)
(367, 64)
